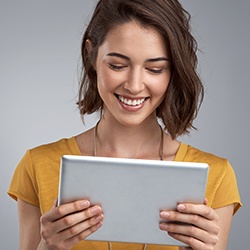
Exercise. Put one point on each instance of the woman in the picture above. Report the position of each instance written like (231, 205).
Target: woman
(139, 67)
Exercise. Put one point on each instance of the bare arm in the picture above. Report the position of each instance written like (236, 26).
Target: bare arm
(225, 219)
(29, 223)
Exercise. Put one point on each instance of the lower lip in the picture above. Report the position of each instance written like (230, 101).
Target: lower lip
(131, 108)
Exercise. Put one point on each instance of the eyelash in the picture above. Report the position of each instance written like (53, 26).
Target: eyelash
(155, 71)
(117, 68)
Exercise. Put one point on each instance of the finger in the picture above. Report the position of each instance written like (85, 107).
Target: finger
(80, 228)
(193, 219)
(73, 219)
(190, 231)
(201, 210)
(205, 201)
(185, 248)
(65, 209)
(81, 236)
(55, 203)
(193, 243)
(70, 225)
(58, 242)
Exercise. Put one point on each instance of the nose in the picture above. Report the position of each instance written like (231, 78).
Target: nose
(134, 83)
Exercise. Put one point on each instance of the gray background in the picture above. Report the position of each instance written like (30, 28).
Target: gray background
(39, 62)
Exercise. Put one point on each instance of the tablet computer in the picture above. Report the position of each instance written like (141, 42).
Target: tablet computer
(132, 193)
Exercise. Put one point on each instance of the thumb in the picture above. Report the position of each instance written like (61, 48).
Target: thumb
(55, 203)
(205, 201)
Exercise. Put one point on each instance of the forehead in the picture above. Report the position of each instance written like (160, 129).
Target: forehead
(132, 36)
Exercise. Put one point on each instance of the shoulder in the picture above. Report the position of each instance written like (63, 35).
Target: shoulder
(193, 154)
(219, 167)
(49, 155)
(220, 170)
(55, 149)
(222, 188)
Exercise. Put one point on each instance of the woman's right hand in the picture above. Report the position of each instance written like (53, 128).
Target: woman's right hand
(64, 226)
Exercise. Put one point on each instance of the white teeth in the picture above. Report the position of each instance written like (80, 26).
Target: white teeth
(131, 102)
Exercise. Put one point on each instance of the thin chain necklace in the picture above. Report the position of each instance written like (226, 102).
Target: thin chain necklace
(161, 150)
(161, 147)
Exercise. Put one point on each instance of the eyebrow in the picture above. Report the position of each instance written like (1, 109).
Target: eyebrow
(128, 59)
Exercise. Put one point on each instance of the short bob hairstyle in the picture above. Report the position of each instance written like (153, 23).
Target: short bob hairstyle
(185, 92)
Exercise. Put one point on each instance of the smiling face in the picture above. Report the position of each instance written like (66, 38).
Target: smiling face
(133, 72)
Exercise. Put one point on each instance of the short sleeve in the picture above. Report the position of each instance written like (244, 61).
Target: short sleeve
(227, 191)
(23, 183)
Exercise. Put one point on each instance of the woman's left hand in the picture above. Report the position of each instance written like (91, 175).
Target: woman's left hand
(200, 226)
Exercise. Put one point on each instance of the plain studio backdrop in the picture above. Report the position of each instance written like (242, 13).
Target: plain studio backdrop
(39, 68)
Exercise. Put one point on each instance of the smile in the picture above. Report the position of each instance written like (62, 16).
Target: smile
(130, 102)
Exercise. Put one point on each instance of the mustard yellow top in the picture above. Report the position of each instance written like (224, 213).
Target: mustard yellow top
(36, 179)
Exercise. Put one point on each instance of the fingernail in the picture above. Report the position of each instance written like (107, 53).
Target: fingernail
(95, 209)
(85, 203)
(181, 207)
(164, 226)
(98, 218)
(164, 214)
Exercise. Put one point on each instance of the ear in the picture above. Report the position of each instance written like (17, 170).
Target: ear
(88, 46)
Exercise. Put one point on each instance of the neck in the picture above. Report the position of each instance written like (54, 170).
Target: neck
(115, 140)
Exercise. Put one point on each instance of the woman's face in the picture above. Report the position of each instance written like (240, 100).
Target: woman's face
(133, 73)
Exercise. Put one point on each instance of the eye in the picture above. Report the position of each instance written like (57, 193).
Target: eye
(155, 71)
(116, 67)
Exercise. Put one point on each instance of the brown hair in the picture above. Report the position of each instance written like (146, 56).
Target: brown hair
(185, 91)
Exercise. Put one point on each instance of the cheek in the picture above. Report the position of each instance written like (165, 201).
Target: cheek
(108, 80)
(103, 80)
(159, 86)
